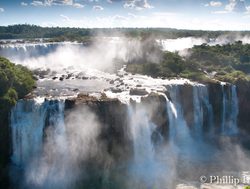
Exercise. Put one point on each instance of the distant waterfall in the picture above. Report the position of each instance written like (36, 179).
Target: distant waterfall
(24, 51)
(20, 52)
(230, 110)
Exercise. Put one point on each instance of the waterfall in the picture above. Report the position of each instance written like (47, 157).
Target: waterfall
(27, 125)
(224, 109)
(177, 124)
(172, 116)
(50, 157)
(203, 111)
(55, 123)
(203, 116)
(187, 141)
(49, 170)
(19, 52)
(28, 122)
(145, 168)
(141, 131)
(230, 110)
(234, 110)
(23, 51)
(198, 110)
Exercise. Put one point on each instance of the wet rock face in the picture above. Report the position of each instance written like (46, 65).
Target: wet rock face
(216, 100)
(113, 117)
(243, 91)
(186, 99)
(5, 144)
(156, 104)
(138, 92)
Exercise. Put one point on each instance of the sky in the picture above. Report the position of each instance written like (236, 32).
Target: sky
(180, 14)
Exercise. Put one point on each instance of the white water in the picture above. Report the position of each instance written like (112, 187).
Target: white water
(203, 110)
(49, 169)
(230, 110)
(179, 132)
(141, 131)
(29, 121)
(27, 125)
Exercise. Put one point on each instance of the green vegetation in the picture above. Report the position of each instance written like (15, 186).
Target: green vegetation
(229, 63)
(26, 31)
(16, 81)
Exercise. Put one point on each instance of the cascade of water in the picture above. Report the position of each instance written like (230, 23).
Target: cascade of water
(172, 116)
(182, 142)
(27, 124)
(144, 166)
(224, 109)
(141, 131)
(56, 125)
(230, 110)
(234, 110)
(177, 124)
(202, 110)
(208, 107)
(198, 111)
(22, 51)
(28, 121)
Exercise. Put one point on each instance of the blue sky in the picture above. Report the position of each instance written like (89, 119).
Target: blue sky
(181, 14)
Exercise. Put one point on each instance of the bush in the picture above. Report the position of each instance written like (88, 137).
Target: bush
(16, 81)
(233, 77)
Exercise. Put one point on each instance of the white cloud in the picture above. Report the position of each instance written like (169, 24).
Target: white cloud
(57, 2)
(215, 3)
(60, 2)
(236, 6)
(229, 7)
(158, 19)
(97, 7)
(248, 10)
(137, 4)
(37, 3)
(24, 4)
(78, 5)
(1, 9)
(114, 1)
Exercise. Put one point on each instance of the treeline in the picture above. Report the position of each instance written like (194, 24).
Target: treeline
(26, 31)
(204, 63)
